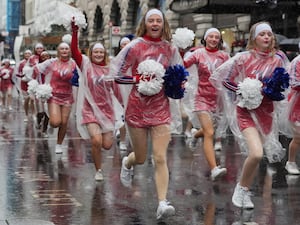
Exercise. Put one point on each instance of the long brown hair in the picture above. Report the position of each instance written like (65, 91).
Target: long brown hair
(166, 32)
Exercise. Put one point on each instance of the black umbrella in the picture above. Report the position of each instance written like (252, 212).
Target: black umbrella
(290, 44)
(280, 37)
(290, 41)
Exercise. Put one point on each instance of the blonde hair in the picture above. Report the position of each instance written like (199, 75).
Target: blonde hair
(251, 41)
(58, 47)
(166, 32)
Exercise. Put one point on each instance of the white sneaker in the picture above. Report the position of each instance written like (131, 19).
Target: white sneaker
(292, 168)
(123, 146)
(187, 134)
(218, 146)
(126, 174)
(217, 172)
(58, 149)
(241, 197)
(99, 175)
(164, 210)
(45, 135)
(193, 140)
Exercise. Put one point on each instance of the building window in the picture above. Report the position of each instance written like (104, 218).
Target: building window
(98, 20)
(115, 16)
(85, 30)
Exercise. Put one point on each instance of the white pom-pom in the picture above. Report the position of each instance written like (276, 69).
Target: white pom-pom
(67, 38)
(32, 86)
(249, 93)
(150, 87)
(6, 74)
(183, 37)
(151, 67)
(80, 21)
(43, 91)
(151, 77)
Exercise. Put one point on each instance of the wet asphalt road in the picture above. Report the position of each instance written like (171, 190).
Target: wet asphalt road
(39, 187)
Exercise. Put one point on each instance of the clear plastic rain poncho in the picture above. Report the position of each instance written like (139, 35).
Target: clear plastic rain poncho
(58, 75)
(240, 111)
(147, 104)
(204, 97)
(291, 114)
(95, 99)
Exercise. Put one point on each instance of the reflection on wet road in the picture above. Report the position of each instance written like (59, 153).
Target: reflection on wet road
(38, 185)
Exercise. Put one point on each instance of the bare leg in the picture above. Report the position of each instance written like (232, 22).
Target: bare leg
(208, 140)
(254, 156)
(139, 144)
(160, 141)
(293, 147)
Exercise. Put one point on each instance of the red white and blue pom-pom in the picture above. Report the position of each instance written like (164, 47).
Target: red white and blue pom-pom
(276, 84)
(174, 80)
(151, 73)
(249, 93)
(74, 79)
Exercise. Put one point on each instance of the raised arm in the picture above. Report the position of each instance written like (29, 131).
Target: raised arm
(74, 44)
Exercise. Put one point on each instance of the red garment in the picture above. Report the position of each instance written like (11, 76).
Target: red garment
(33, 60)
(76, 55)
(6, 82)
(100, 91)
(256, 65)
(60, 73)
(294, 98)
(24, 84)
(145, 111)
(207, 61)
(97, 104)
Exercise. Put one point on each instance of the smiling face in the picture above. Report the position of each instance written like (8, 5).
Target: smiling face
(212, 40)
(264, 40)
(98, 55)
(45, 56)
(154, 26)
(64, 51)
(39, 50)
(27, 55)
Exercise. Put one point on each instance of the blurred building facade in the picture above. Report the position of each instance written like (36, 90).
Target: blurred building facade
(109, 20)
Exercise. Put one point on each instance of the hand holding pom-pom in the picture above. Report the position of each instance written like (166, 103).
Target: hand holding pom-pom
(74, 27)
(249, 93)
